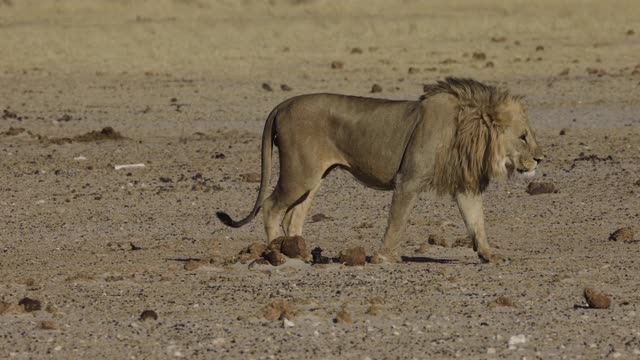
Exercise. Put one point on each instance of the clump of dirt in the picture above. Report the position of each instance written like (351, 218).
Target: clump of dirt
(343, 317)
(623, 234)
(285, 87)
(502, 301)
(354, 257)
(251, 252)
(47, 325)
(336, 65)
(30, 305)
(437, 240)
(422, 249)
(376, 88)
(596, 299)
(376, 306)
(279, 309)
(321, 217)
(538, 188)
(15, 131)
(464, 242)
(593, 158)
(9, 308)
(251, 177)
(295, 247)
(267, 87)
(479, 56)
(148, 315)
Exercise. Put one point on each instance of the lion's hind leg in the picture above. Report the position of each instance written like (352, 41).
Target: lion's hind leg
(294, 218)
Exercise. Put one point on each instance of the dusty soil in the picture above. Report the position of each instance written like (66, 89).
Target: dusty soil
(182, 82)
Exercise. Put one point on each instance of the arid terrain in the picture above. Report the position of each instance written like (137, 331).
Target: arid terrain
(184, 87)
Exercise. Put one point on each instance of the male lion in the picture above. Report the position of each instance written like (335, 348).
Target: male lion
(458, 136)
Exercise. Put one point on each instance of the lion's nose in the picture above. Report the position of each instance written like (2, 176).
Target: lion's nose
(538, 158)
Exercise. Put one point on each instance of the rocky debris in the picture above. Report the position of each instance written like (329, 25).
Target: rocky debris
(538, 188)
(498, 39)
(489, 64)
(30, 305)
(479, 55)
(356, 50)
(502, 301)
(47, 325)
(422, 249)
(343, 317)
(517, 340)
(279, 309)
(539, 48)
(321, 217)
(376, 88)
(413, 70)
(354, 256)
(317, 257)
(437, 240)
(15, 131)
(637, 183)
(564, 72)
(295, 247)
(266, 87)
(630, 32)
(337, 65)
(251, 252)
(148, 315)
(596, 299)
(285, 87)
(286, 323)
(251, 177)
(622, 234)
(593, 158)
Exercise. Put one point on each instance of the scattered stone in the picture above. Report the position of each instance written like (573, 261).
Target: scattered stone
(479, 55)
(623, 234)
(279, 310)
(251, 252)
(317, 257)
(537, 188)
(343, 317)
(294, 247)
(148, 315)
(356, 50)
(218, 155)
(337, 65)
(9, 308)
(489, 64)
(285, 87)
(319, 217)
(287, 323)
(502, 301)
(165, 179)
(65, 118)
(251, 177)
(437, 240)
(637, 183)
(498, 39)
(134, 247)
(564, 72)
(464, 242)
(563, 132)
(539, 48)
(354, 257)
(275, 257)
(194, 264)
(413, 70)
(630, 32)
(30, 304)
(596, 299)
(448, 61)
(376, 88)
(517, 340)
(422, 249)
(267, 87)
(47, 325)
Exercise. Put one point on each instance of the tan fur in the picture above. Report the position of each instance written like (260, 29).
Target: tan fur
(454, 140)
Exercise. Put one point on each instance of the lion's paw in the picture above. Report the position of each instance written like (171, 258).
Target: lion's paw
(493, 258)
(384, 258)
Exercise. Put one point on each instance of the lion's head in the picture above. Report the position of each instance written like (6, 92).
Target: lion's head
(492, 139)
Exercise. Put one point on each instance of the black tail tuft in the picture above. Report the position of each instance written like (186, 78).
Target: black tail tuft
(226, 219)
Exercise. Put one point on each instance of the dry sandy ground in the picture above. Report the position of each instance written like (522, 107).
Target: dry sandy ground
(182, 81)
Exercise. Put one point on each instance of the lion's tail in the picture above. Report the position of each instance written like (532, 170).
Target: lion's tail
(267, 150)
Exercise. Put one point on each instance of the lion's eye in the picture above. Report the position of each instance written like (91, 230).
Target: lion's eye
(523, 137)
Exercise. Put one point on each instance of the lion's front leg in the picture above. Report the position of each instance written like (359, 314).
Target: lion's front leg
(470, 206)
(404, 198)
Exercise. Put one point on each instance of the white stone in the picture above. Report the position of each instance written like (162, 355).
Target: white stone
(491, 351)
(517, 340)
(287, 323)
